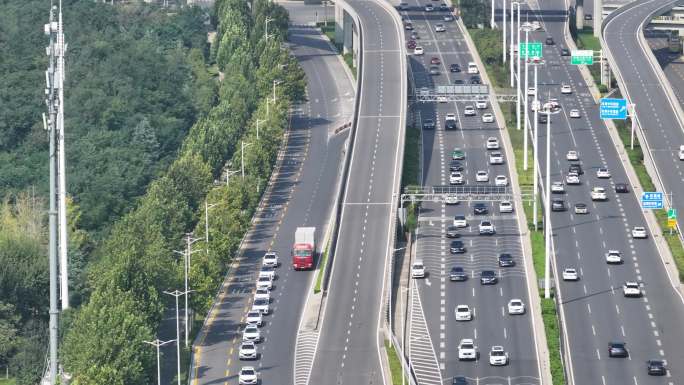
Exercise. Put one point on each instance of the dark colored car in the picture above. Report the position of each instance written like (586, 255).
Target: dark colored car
(428, 124)
(588, 17)
(408, 26)
(549, 41)
(452, 232)
(558, 205)
(450, 125)
(565, 52)
(414, 35)
(411, 44)
(576, 168)
(617, 349)
(621, 188)
(480, 209)
(455, 165)
(488, 277)
(475, 80)
(459, 381)
(443, 7)
(457, 247)
(656, 368)
(457, 274)
(455, 67)
(542, 118)
(506, 260)
(459, 81)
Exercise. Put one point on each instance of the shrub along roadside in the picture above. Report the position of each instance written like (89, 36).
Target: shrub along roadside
(103, 340)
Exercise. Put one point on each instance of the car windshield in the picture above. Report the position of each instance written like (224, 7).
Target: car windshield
(466, 346)
(248, 372)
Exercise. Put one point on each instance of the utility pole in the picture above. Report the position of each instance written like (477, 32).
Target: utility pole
(512, 47)
(207, 206)
(275, 83)
(257, 124)
(535, 142)
(242, 155)
(547, 210)
(268, 20)
(177, 294)
(503, 28)
(63, 244)
(157, 343)
(524, 95)
(189, 240)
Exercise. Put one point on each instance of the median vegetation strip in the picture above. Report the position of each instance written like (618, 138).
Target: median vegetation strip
(321, 268)
(394, 363)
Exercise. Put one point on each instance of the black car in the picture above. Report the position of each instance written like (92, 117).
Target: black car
(488, 277)
(621, 188)
(475, 80)
(576, 168)
(565, 52)
(452, 232)
(459, 381)
(457, 247)
(459, 82)
(450, 125)
(558, 205)
(542, 119)
(455, 165)
(656, 368)
(455, 67)
(457, 274)
(506, 260)
(480, 209)
(443, 7)
(549, 41)
(588, 16)
(617, 349)
(428, 124)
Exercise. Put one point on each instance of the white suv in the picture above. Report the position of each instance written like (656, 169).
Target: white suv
(467, 350)
(639, 232)
(496, 158)
(486, 227)
(271, 259)
(418, 269)
(505, 207)
(631, 289)
(456, 178)
(498, 356)
(463, 313)
(492, 143)
(598, 194)
(613, 256)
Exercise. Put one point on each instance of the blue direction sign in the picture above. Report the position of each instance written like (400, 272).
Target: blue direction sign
(652, 200)
(613, 108)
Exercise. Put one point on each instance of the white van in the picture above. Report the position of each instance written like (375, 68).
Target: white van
(417, 269)
(681, 152)
(472, 68)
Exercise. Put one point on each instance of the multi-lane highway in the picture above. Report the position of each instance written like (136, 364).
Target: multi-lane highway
(302, 195)
(436, 345)
(593, 310)
(349, 346)
(638, 75)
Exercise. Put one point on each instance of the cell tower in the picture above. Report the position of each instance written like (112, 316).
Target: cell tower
(54, 124)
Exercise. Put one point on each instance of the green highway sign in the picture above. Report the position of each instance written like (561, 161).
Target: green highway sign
(530, 50)
(582, 57)
(672, 214)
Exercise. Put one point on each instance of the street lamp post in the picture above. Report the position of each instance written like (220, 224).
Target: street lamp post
(535, 143)
(242, 156)
(513, 5)
(207, 206)
(186, 271)
(268, 20)
(547, 217)
(176, 294)
(632, 117)
(257, 126)
(403, 337)
(229, 173)
(524, 94)
(491, 22)
(157, 343)
(503, 28)
(275, 83)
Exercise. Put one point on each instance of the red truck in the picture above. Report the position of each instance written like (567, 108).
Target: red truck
(304, 248)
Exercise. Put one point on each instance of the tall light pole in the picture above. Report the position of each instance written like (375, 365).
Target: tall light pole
(157, 343)
(535, 143)
(524, 94)
(513, 5)
(403, 337)
(63, 244)
(275, 83)
(268, 20)
(503, 28)
(257, 124)
(547, 210)
(632, 117)
(207, 206)
(242, 156)
(491, 22)
(189, 240)
(229, 173)
(176, 294)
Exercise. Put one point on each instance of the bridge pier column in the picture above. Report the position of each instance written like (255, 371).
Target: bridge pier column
(598, 16)
(339, 24)
(579, 14)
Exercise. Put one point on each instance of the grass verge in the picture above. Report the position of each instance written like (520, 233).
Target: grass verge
(411, 157)
(585, 39)
(11, 381)
(321, 270)
(553, 340)
(348, 58)
(394, 363)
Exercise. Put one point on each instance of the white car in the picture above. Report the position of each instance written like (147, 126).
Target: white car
(501, 180)
(469, 111)
(264, 282)
(440, 28)
(516, 306)
(418, 269)
(486, 227)
(602, 173)
(251, 333)
(442, 99)
(487, 118)
(254, 318)
(271, 259)
(536, 25)
(572, 178)
(247, 351)
(450, 116)
(492, 143)
(463, 313)
(418, 51)
(631, 289)
(472, 68)
(261, 305)
(456, 178)
(460, 221)
(267, 271)
(613, 256)
(451, 199)
(263, 293)
(557, 187)
(481, 104)
(598, 194)
(482, 176)
(531, 91)
(639, 232)
(566, 89)
(575, 113)
(570, 274)
(505, 207)
(572, 155)
(429, 8)
(448, 18)
(496, 158)
(498, 356)
(681, 152)
(467, 350)
(248, 376)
